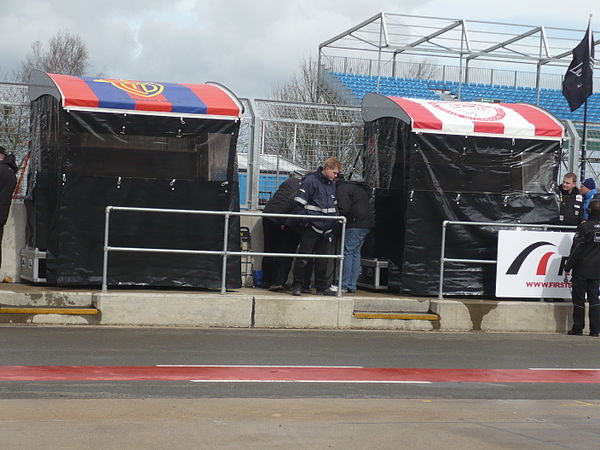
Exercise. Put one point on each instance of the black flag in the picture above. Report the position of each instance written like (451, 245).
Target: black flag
(577, 85)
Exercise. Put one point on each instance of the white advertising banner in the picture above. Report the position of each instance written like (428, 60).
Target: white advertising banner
(531, 264)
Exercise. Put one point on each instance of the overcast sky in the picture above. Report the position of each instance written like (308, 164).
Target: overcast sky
(250, 46)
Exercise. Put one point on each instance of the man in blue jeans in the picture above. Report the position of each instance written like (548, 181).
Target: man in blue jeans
(354, 204)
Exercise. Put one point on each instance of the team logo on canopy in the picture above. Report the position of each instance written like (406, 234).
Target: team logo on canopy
(471, 111)
(140, 88)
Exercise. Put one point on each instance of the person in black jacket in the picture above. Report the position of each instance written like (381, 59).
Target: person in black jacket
(584, 262)
(8, 180)
(570, 201)
(317, 197)
(354, 204)
(278, 238)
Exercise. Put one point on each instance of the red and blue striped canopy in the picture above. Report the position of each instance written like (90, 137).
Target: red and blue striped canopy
(138, 97)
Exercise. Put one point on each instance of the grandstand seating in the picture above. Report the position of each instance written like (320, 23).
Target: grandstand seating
(551, 100)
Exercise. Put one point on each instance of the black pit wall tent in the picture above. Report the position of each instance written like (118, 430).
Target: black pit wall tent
(99, 142)
(437, 160)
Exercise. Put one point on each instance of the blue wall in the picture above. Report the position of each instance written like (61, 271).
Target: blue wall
(267, 185)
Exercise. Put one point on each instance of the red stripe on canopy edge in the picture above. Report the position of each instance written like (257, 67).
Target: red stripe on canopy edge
(488, 127)
(218, 101)
(75, 91)
(545, 125)
(421, 117)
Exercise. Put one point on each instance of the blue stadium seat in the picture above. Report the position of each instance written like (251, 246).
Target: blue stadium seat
(550, 99)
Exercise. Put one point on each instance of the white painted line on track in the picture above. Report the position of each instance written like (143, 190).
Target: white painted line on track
(314, 381)
(557, 368)
(260, 366)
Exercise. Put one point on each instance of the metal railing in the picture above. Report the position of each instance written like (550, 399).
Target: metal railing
(224, 253)
(445, 225)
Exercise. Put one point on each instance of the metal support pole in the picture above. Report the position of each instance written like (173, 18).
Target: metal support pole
(378, 83)
(574, 145)
(225, 243)
(460, 73)
(319, 75)
(294, 142)
(538, 85)
(105, 262)
(253, 171)
(442, 258)
(341, 270)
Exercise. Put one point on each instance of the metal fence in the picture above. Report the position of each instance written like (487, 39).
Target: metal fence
(225, 253)
(14, 125)
(300, 135)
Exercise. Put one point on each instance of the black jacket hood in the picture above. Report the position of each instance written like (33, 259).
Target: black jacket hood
(9, 160)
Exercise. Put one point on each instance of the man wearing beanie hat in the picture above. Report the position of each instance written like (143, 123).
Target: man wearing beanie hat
(8, 180)
(588, 190)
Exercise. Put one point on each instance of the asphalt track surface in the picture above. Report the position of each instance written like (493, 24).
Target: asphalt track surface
(97, 362)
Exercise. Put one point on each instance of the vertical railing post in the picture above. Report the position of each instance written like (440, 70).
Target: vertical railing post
(225, 244)
(341, 269)
(442, 257)
(105, 262)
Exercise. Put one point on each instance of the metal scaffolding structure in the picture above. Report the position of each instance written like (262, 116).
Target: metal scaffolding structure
(400, 36)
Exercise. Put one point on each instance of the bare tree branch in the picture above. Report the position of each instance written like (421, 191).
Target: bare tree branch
(66, 54)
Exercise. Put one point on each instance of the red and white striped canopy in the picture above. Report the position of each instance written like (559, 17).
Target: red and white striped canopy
(510, 120)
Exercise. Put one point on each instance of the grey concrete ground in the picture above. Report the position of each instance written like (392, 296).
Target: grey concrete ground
(299, 424)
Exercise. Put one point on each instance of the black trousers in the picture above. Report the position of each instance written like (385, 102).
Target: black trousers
(581, 287)
(276, 269)
(1, 234)
(317, 243)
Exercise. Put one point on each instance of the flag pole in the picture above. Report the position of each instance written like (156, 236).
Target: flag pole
(583, 141)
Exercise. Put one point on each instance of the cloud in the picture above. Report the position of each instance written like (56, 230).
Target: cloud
(248, 46)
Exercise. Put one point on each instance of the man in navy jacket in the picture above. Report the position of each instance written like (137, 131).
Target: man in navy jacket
(317, 197)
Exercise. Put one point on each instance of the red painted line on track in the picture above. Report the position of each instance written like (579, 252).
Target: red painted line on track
(290, 374)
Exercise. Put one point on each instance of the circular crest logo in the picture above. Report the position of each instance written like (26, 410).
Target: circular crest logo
(138, 88)
(471, 111)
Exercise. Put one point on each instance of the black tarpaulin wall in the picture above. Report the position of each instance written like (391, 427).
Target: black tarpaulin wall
(82, 162)
(423, 179)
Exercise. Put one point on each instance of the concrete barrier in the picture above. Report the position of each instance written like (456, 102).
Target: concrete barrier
(307, 311)
(502, 316)
(13, 241)
(259, 308)
(44, 298)
(195, 310)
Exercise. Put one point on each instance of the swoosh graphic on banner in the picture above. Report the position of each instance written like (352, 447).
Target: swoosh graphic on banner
(518, 262)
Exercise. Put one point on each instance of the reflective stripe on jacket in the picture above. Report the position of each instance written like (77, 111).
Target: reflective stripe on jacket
(316, 197)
